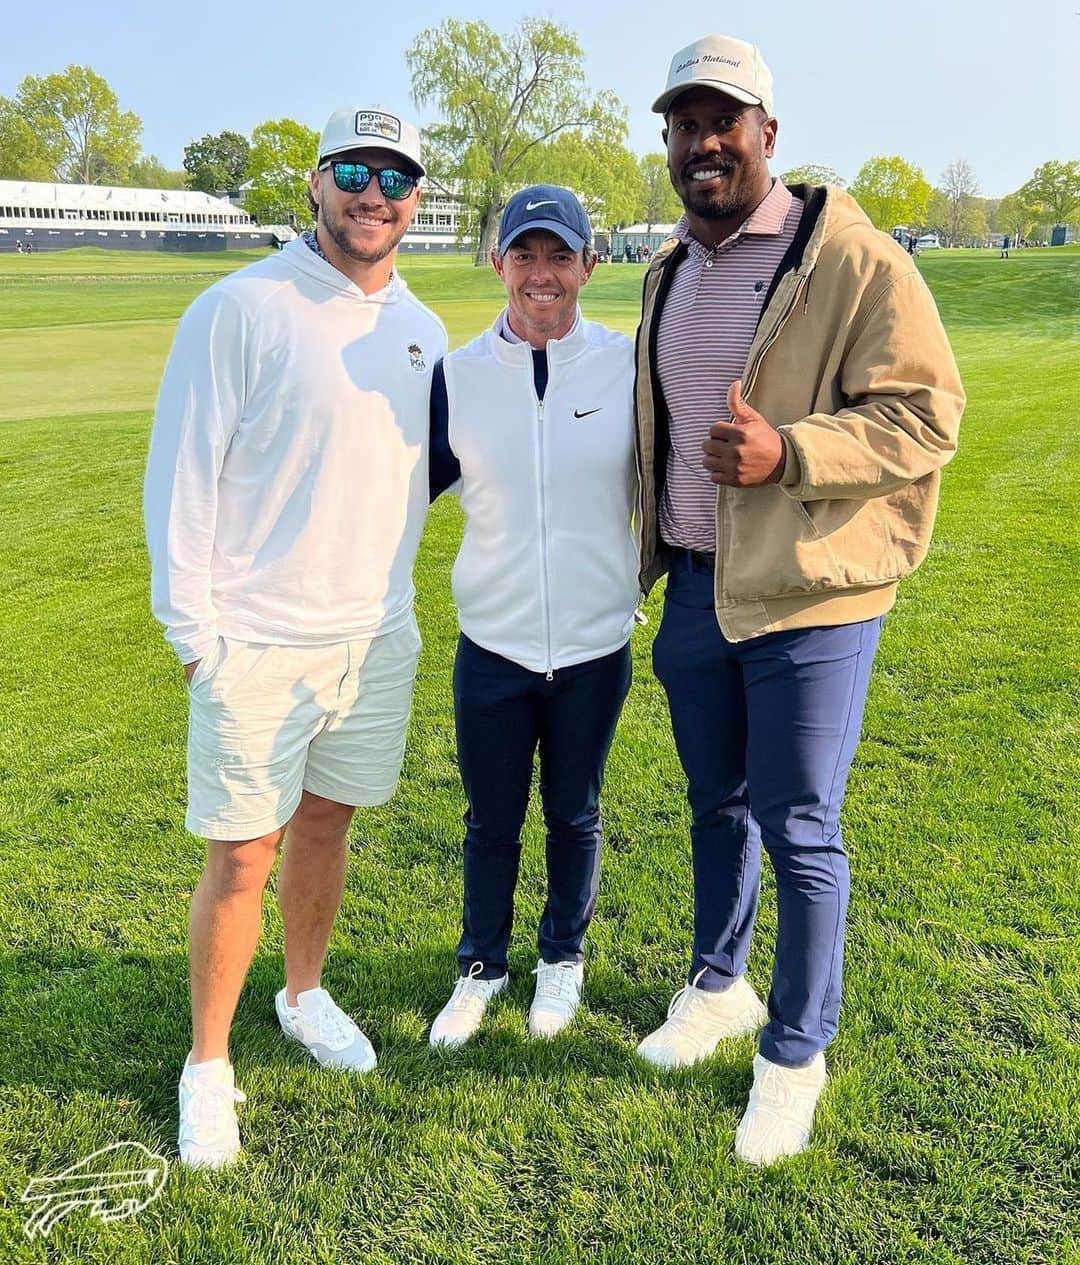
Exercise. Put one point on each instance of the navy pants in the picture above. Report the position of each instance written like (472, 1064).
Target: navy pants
(503, 713)
(766, 730)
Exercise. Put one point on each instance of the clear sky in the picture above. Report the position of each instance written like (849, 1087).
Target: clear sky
(993, 81)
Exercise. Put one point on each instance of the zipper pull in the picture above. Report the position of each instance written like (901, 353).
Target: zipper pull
(550, 675)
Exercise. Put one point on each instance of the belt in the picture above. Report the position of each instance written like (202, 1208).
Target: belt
(693, 559)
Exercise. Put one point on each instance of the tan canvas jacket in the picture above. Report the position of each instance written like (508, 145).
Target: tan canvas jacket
(851, 364)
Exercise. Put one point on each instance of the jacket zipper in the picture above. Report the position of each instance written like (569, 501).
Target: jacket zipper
(751, 377)
(545, 582)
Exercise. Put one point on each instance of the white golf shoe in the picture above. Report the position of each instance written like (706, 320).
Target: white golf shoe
(461, 1016)
(780, 1114)
(209, 1134)
(558, 994)
(328, 1034)
(698, 1020)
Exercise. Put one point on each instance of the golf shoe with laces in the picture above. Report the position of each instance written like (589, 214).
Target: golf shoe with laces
(328, 1034)
(558, 994)
(699, 1019)
(209, 1134)
(780, 1114)
(463, 1013)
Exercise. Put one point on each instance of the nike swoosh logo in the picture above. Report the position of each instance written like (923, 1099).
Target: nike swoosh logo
(588, 412)
(531, 206)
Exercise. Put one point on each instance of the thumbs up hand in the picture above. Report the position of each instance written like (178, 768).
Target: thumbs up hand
(745, 452)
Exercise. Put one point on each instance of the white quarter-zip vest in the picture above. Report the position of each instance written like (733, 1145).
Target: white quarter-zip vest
(547, 572)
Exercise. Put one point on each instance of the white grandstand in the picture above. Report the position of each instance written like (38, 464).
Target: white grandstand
(39, 216)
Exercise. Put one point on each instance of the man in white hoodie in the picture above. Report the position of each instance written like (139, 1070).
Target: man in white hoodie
(285, 495)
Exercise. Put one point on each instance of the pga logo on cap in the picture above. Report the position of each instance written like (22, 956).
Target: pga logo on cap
(374, 123)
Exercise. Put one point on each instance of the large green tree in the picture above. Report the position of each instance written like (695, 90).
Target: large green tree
(601, 170)
(217, 163)
(149, 172)
(1016, 215)
(283, 153)
(812, 173)
(892, 192)
(658, 203)
(504, 102)
(80, 127)
(1055, 187)
(24, 153)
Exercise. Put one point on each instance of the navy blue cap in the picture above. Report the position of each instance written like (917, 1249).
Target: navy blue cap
(545, 206)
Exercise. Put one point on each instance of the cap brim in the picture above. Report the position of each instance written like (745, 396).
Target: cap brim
(360, 143)
(663, 102)
(574, 240)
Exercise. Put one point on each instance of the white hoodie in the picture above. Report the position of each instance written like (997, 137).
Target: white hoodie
(286, 487)
(547, 572)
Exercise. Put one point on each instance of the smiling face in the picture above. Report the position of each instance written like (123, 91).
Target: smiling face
(360, 231)
(542, 276)
(718, 151)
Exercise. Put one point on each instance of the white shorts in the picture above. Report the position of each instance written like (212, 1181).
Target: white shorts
(269, 722)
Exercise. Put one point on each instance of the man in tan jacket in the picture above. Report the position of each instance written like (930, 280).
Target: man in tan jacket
(796, 399)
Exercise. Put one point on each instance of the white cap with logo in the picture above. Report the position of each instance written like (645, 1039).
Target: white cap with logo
(374, 128)
(725, 64)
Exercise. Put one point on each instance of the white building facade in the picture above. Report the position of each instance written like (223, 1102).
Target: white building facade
(37, 216)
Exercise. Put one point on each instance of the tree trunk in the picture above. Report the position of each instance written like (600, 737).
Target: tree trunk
(486, 238)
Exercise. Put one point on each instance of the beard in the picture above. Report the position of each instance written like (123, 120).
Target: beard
(722, 204)
(338, 231)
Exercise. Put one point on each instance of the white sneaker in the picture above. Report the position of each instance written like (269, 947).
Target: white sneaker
(558, 992)
(461, 1016)
(327, 1033)
(699, 1019)
(209, 1134)
(780, 1114)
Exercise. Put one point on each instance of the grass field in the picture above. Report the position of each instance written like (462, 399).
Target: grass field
(950, 1129)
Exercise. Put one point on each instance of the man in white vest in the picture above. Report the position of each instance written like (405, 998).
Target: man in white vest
(535, 417)
(285, 495)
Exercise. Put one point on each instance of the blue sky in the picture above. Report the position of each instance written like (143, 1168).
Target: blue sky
(995, 83)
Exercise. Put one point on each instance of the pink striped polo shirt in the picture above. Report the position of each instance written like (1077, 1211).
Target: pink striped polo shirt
(706, 328)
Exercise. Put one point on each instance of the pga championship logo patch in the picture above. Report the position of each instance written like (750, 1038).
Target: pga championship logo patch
(416, 357)
(375, 123)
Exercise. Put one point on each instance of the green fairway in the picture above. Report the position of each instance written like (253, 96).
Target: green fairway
(950, 1131)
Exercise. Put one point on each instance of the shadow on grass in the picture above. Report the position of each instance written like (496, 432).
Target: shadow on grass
(117, 1025)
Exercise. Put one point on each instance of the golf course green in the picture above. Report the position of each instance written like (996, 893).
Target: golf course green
(950, 1131)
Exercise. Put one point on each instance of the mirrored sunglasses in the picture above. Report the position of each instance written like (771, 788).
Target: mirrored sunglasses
(355, 178)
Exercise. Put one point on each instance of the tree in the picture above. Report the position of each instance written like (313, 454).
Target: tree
(217, 163)
(891, 192)
(1017, 216)
(812, 173)
(505, 100)
(148, 172)
(78, 118)
(959, 188)
(1055, 187)
(283, 152)
(24, 152)
(658, 202)
(602, 171)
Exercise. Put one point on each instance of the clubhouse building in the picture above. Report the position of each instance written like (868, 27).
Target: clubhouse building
(36, 216)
